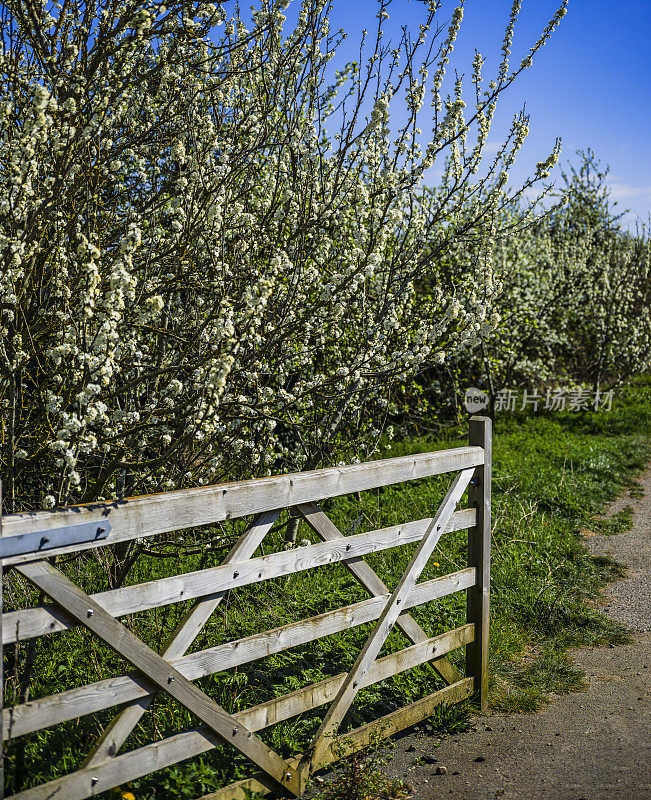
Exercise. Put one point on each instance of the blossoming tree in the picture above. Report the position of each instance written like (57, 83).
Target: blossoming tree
(576, 298)
(211, 238)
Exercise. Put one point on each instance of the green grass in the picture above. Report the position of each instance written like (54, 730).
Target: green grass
(617, 523)
(553, 476)
(360, 777)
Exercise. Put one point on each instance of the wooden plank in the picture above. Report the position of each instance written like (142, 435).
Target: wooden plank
(479, 554)
(372, 582)
(55, 709)
(387, 619)
(186, 632)
(91, 781)
(45, 577)
(28, 623)
(140, 517)
(399, 720)
(318, 694)
(158, 755)
(360, 738)
(241, 790)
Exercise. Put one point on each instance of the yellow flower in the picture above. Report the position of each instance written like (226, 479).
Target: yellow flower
(436, 564)
(128, 796)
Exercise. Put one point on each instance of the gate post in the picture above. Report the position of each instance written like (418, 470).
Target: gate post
(479, 548)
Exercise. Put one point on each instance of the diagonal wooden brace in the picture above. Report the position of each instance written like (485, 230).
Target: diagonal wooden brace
(388, 618)
(90, 614)
(117, 732)
(372, 582)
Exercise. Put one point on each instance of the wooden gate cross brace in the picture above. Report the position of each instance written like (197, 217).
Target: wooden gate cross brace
(117, 732)
(372, 582)
(92, 616)
(386, 621)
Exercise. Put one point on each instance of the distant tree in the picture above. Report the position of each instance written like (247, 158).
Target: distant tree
(575, 301)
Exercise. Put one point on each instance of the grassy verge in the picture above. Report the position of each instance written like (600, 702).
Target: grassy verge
(552, 476)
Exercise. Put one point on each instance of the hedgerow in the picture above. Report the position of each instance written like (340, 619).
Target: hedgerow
(212, 240)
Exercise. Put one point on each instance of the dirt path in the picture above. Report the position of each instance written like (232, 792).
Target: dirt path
(592, 745)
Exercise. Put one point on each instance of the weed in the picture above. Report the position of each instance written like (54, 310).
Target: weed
(449, 719)
(607, 569)
(360, 776)
(636, 492)
(617, 523)
(512, 699)
(525, 684)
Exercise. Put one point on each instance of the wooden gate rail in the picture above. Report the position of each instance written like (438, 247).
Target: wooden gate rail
(174, 671)
(32, 622)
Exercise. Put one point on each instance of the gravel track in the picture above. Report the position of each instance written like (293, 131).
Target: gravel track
(629, 600)
(591, 745)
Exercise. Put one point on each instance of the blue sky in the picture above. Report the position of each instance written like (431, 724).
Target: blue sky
(590, 84)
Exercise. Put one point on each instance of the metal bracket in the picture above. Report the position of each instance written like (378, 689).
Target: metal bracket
(41, 541)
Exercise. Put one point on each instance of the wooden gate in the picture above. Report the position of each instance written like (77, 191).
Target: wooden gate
(30, 540)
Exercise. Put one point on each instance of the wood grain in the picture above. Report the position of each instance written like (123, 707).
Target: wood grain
(45, 577)
(31, 622)
(2, 760)
(139, 517)
(174, 670)
(387, 619)
(92, 698)
(170, 751)
(117, 732)
(360, 738)
(479, 555)
(372, 582)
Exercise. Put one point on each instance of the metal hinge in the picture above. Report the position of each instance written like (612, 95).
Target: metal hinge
(40, 542)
